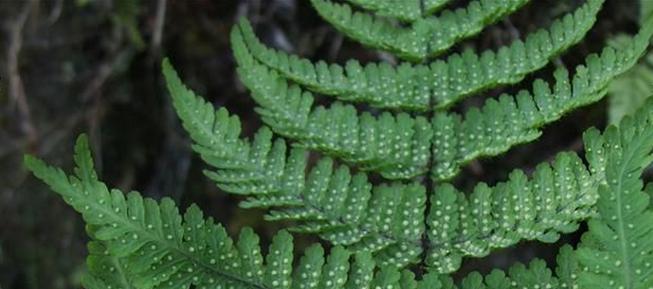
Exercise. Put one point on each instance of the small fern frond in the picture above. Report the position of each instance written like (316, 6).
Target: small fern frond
(395, 145)
(420, 87)
(511, 120)
(618, 249)
(425, 37)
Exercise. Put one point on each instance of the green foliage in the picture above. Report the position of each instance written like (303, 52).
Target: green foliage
(142, 243)
(408, 214)
(106, 271)
(148, 244)
(425, 36)
(349, 210)
(366, 141)
(629, 91)
(421, 87)
(617, 250)
(510, 120)
(163, 249)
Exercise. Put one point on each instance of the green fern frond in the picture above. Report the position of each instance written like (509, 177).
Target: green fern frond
(618, 249)
(425, 37)
(551, 202)
(163, 249)
(420, 87)
(511, 120)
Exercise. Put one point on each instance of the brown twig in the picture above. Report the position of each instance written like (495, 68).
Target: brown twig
(17, 96)
(159, 23)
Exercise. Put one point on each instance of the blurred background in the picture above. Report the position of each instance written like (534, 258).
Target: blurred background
(93, 66)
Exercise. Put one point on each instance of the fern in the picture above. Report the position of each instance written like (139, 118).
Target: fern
(617, 251)
(422, 87)
(151, 245)
(550, 203)
(511, 120)
(165, 250)
(378, 225)
(367, 141)
(426, 36)
(105, 271)
(162, 249)
(630, 91)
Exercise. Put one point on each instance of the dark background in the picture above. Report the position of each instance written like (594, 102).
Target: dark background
(74, 66)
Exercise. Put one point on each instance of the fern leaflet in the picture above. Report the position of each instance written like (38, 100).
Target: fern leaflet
(618, 250)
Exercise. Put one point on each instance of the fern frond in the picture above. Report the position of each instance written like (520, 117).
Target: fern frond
(511, 120)
(420, 87)
(618, 249)
(551, 202)
(163, 249)
(344, 208)
(395, 145)
(425, 37)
